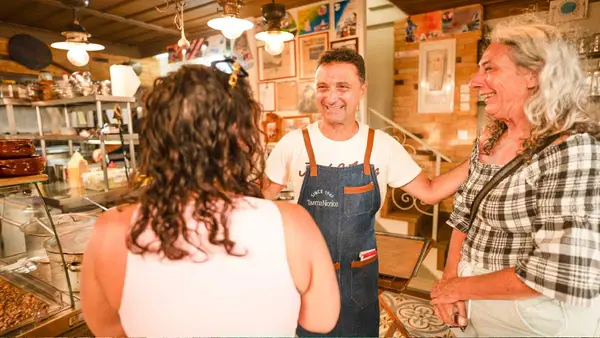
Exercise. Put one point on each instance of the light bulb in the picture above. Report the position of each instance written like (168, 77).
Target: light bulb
(78, 56)
(274, 46)
(232, 33)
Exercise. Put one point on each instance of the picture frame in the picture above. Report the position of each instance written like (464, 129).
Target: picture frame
(294, 122)
(287, 95)
(266, 96)
(272, 127)
(274, 67)
(351, 43)
(311, 48)
(307, 101)
(436, 76)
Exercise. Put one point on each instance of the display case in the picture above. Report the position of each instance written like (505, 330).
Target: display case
(40, 257)
(77, 112)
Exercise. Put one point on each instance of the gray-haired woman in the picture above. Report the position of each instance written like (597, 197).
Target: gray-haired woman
(527, 260)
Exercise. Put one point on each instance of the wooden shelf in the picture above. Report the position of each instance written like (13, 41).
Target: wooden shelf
(7, 182)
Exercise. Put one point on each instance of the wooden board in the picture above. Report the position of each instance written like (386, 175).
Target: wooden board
(7, 182)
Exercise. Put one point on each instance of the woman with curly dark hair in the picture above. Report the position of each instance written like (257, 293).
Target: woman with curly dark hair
(200, 253)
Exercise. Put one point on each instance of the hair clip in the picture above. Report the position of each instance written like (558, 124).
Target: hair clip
(233, 77)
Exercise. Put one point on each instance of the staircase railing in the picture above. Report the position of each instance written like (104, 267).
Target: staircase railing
(409, 201)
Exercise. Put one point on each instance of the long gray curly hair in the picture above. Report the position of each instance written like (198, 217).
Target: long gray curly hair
(559, 105)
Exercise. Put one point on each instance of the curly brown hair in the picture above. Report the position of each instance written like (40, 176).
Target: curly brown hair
(200, 145)
(344, 55)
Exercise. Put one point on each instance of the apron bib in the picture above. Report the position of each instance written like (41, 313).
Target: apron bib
(343, 202)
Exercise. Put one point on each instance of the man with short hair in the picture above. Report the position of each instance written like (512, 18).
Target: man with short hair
(340, 170)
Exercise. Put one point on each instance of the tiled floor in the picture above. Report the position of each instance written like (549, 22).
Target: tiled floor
(415, 313)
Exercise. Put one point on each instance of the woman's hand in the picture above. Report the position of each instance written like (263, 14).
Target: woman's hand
(448, 313)
(447, 291)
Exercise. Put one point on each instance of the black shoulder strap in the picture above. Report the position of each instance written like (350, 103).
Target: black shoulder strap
(503, 173)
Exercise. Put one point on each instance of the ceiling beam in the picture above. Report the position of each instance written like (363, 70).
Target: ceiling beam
(9, 29)
(115, 18)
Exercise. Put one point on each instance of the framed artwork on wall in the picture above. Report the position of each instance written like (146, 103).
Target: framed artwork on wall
(346, 43)
(271, 67)
(266, 95)
(289, 123)
(272, 127)
(307, 101)
(311, 47)
(287, 95)
(436, 76)
(346, 18)
(313, 19)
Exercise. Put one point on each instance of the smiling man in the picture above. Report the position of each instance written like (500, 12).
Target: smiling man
(340, 170)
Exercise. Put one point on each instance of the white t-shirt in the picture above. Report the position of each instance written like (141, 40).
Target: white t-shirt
(288, 160)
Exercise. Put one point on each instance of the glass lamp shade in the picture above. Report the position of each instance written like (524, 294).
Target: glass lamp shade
(274, 40)
(78, 56)
(68, 45)
(230, 26)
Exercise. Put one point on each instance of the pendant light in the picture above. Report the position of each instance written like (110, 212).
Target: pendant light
(230, 25)
(274, 38)
(77, 43)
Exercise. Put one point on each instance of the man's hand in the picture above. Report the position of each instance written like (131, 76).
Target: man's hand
(97, 155)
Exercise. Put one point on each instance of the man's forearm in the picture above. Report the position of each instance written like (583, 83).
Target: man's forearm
(270, 189)
(503, 284)
(447, 184)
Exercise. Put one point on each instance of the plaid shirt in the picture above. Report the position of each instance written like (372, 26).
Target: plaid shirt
(544, 220)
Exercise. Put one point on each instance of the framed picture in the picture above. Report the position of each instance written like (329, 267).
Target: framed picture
(345, 18)
(272, 127)
(436, 76)
(271, 67)
(287, 95)
(313, 19)
(311, 47)
(307, 101)
(266, 95)
(351, 43)
(289, 123)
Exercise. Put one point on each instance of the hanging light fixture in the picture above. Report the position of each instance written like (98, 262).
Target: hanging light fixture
(77, 43)
(230, 25)
(274, 38)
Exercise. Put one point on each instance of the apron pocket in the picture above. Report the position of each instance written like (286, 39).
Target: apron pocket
(358, 200)
(364, 280)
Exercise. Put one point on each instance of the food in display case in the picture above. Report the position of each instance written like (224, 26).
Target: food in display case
(17, 158)
(18, 306)
(16, 148)
(22, 166)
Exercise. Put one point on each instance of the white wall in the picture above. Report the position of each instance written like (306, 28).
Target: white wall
(381, 15)
(380, 72)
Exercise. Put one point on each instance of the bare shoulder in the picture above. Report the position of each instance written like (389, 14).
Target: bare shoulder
(293, 214)
(117, 216)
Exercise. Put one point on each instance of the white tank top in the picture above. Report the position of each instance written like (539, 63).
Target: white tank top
(216, 294)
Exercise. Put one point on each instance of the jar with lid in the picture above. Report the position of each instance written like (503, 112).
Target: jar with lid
(7, 90)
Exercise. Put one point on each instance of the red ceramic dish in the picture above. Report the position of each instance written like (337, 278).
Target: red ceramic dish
(22, 166)
(16, 148)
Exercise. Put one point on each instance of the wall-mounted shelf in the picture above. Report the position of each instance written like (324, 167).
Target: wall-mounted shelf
(7, 182)
(83, 100)
(75, 138)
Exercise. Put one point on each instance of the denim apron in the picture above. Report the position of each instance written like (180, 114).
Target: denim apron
(343, 202)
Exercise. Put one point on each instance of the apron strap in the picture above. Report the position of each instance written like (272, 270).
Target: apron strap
(311, 153)
(367, 161)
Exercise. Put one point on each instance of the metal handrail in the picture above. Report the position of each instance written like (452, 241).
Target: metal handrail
(411, 135)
